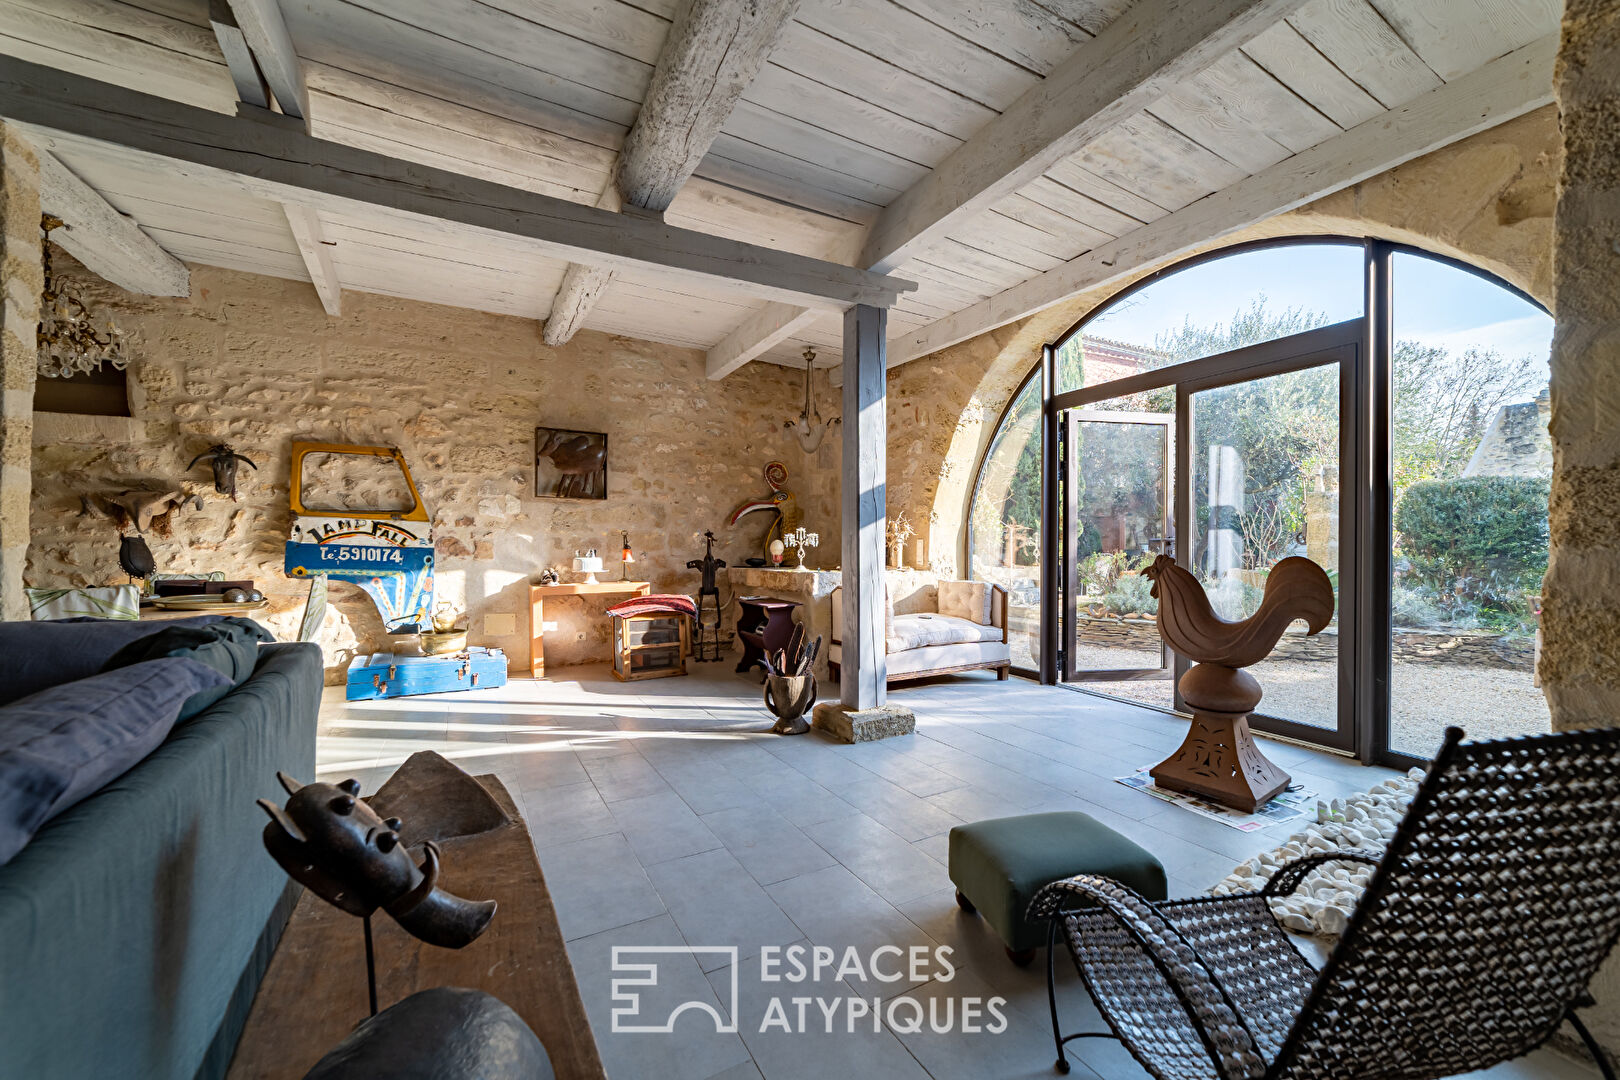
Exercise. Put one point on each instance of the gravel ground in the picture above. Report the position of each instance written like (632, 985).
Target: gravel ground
(1486, 702)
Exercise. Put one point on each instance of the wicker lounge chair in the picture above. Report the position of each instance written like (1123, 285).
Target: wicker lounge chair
(1488, 915)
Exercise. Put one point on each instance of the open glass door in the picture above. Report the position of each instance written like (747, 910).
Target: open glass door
(1119, 483)
(1265, 445)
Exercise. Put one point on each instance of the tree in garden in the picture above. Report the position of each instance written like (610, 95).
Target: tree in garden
(1444, 403)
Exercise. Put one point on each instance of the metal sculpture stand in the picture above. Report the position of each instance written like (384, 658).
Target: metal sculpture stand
(1219, 758)
(706, 647)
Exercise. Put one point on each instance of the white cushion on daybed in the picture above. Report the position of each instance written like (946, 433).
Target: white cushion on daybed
(933, 657)
(922, 629)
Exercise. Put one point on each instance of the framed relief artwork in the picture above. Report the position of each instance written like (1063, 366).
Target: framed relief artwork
(569, 464)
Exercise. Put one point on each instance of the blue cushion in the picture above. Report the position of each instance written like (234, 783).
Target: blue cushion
(53, 652)
(64, 743)
(229, 645)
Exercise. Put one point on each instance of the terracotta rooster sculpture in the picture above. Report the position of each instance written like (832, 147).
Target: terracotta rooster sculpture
(1219, 758)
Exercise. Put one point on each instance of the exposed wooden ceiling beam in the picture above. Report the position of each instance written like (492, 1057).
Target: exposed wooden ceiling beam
(758, 334)
(1507, 87)
(1137, 57)
(1154, 45)
(247, 72)
(306, 230)
(714, 50)
(105, 241)
(285, 164)
(266, 33)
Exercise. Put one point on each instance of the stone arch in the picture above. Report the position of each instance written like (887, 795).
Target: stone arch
(1487, 201)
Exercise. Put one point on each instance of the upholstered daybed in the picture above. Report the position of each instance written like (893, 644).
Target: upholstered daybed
(967, 631)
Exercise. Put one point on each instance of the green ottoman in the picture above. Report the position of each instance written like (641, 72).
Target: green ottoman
(999, 865)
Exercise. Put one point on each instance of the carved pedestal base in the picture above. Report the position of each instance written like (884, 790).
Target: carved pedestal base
(1219, 760)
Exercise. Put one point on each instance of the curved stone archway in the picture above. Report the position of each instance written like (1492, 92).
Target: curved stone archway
(1487, 201)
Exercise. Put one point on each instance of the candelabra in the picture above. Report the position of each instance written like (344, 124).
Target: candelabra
(801, 539)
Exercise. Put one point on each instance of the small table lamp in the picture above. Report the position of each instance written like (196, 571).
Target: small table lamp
(626, 557)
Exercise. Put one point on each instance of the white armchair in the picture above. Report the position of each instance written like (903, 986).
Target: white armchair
(968, 631)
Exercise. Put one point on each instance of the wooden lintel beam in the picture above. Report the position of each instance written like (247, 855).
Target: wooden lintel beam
(104, 240)
(289, 166)
(582, 285)
(1507, 87)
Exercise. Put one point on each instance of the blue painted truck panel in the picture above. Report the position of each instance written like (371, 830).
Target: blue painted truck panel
(387, 675)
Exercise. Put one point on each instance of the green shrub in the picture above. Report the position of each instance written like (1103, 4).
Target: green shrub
(1132, 595)
(1414, 606)
(1478, 527)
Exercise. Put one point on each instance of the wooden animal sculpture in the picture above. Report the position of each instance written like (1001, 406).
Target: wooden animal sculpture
(1219, 758)
(223, 460)
(144, 510)
(780, 501)
(578, 459)
(334, 844)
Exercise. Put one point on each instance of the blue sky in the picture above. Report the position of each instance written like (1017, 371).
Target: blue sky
(1434, 303)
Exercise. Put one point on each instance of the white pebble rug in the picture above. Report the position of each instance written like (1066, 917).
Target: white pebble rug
(1324, 900)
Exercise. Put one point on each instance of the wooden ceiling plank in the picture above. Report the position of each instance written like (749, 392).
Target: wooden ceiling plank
(711, 55)
(1362, 45)
(105, 241)
(1500, 91)
(1298, 65)
(1456, 36)
(280, 162)
(1022, 31)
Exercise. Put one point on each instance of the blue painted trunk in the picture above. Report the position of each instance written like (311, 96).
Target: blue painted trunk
(387, 675)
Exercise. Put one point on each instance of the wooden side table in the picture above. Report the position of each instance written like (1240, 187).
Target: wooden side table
(764, 624)
(538, 595)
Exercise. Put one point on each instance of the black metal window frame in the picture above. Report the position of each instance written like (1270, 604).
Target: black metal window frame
(1366, 390)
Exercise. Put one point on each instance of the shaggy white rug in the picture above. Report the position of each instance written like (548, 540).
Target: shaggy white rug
(1323, 902)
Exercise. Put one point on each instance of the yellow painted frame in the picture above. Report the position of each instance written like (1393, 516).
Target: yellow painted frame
(301, 449)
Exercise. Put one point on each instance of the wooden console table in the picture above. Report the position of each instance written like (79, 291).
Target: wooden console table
(537, 602)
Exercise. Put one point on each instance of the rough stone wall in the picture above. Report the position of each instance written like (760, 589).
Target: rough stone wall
(1517, 442)
(1580, 658)
(21, 281)
(254, 362)
(1487, 200)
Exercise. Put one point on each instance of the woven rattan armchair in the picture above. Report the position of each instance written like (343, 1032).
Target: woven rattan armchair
(1488, 915)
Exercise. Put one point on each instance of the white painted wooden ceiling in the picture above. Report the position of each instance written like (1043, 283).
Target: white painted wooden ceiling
(859, 100)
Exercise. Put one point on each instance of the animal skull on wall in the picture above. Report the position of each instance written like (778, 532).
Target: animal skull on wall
(223, 460)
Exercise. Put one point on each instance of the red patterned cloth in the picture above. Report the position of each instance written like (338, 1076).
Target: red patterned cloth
(656, 604)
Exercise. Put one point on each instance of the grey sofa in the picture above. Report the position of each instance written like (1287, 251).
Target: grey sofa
(135, 927)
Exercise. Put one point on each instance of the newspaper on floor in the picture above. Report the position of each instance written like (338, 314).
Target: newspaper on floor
(1295, 803)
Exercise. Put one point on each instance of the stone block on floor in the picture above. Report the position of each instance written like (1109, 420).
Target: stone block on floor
(864, 725)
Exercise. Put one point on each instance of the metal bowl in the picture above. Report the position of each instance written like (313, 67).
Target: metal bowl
(436, 643)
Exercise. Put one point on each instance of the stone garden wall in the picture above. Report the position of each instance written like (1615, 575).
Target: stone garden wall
(1475, 648)
(253, 361)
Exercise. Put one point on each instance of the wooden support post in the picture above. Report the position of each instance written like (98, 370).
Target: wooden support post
(21, 280)
(865, 667)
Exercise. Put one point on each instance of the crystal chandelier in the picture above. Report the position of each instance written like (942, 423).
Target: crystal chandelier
(72, 341)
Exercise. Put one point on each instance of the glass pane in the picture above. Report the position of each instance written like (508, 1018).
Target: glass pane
(1214, 307)
(1265, 485)
(1005, 529)
(1472, 462)
(1122, 458)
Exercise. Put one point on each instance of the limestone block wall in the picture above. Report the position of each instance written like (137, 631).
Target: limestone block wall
(1580, 658)
(21, 280)
(254, 362)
